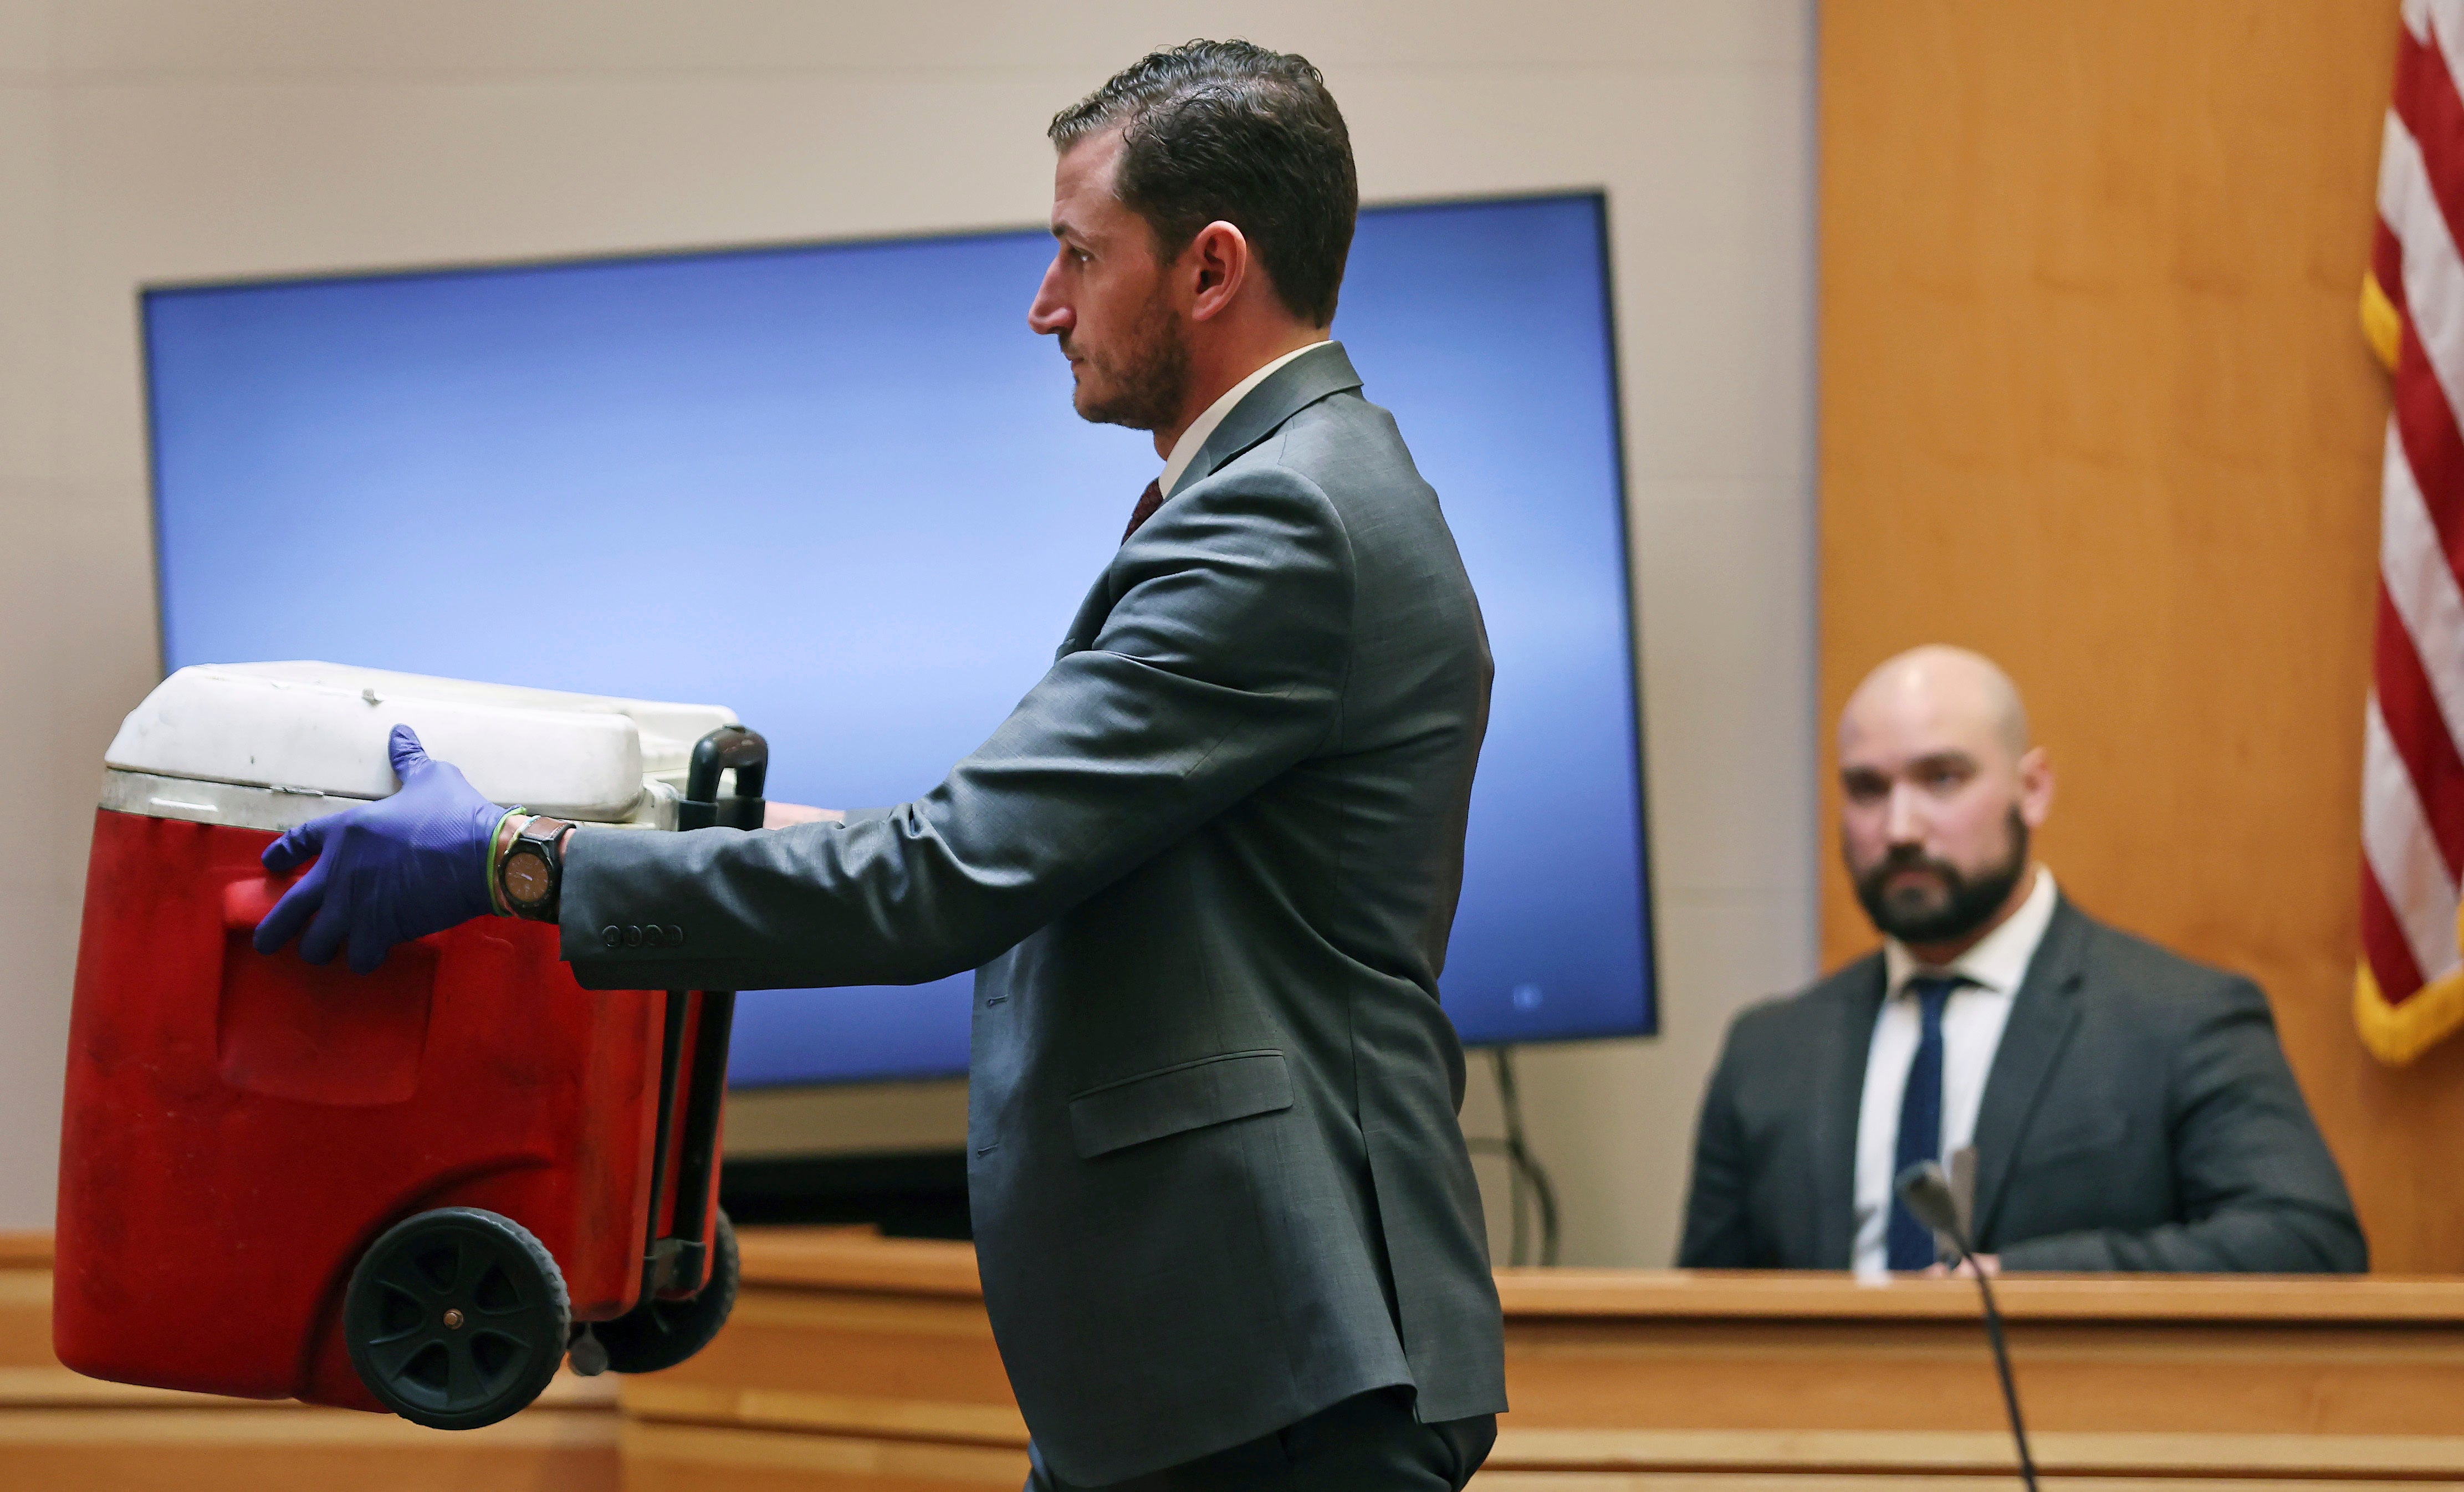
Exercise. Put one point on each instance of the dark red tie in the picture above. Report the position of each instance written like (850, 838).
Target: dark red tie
(1148, 502)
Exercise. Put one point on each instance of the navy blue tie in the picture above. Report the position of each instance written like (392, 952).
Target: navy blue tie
(1911, 1242)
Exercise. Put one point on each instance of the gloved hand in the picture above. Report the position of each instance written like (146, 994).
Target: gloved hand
(388, 871)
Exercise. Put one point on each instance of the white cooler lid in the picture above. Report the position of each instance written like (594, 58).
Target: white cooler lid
(322, 728)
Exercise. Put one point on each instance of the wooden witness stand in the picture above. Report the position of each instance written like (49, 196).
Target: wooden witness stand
(855, 1362)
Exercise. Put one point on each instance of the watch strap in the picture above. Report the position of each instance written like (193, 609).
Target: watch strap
(499, 840)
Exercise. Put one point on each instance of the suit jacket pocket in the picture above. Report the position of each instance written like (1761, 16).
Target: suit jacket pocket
(1188, 1095)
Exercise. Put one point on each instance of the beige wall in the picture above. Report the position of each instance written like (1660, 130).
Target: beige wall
(153, 139)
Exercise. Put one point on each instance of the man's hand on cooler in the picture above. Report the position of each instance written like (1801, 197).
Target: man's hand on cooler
(779, 815)
(388, 871)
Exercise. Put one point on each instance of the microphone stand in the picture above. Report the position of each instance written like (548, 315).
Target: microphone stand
(1927, 1195)
(2002, 1364)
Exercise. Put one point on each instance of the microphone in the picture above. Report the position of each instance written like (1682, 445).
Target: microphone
(1927, 1194)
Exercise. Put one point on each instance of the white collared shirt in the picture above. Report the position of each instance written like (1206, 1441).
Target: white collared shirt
(1184, 450)
(1972, 1019)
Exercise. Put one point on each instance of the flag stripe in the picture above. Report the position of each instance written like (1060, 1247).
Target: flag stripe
(2403, 856)
(2433, 284)
(2434, 447)
(2432, 111)
(2382, 940)
(2422, 586)
(2430, 114)
(2419, 737)
(2442, 21)
(2387, 264)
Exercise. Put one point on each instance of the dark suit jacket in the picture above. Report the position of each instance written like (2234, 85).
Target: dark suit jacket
(2138, 1115)
(1208, 868)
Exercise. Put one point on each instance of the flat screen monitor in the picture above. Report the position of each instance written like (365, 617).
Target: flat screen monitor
(839, 488)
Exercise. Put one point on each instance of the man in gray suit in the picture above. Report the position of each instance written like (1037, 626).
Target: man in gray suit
(2129, 1110)
(1225, 1219)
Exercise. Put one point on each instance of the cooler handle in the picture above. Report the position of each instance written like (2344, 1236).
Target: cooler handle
(730, 746)
(248, 903)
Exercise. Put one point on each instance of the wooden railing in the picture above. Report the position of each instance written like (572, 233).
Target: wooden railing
(855, 1362)
(858, 1362)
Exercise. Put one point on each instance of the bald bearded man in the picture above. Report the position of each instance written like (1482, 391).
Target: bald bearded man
(2130, 1110)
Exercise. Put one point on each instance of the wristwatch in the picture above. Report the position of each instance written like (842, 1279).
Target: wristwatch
(532, 871)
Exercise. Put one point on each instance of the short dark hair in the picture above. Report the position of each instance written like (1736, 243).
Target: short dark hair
(1228, 131)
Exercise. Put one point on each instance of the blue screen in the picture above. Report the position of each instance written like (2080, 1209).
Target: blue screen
(840, 489)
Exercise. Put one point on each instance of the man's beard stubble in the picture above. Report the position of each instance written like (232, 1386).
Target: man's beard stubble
(1969, 904)
(1145, 388)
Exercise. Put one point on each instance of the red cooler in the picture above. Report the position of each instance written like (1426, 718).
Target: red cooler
(415, 1189)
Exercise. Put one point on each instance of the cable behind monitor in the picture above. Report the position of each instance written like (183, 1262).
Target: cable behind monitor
(1531, 1197)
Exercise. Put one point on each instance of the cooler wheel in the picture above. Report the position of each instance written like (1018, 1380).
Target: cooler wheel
(659, 1333)
(456, 1318)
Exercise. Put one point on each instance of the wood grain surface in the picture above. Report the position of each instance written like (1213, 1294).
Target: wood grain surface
(61, 1430)
(867, 1363)
(2094, 399)
(1782, 1295)
(856, 1363)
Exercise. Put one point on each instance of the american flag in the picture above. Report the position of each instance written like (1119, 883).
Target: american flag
(2409, 989)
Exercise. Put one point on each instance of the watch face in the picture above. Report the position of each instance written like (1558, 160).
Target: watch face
(525, 879)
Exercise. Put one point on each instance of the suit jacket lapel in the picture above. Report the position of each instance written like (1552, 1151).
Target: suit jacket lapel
(1839, 1100)
(1322, 370)
(2043, 1016)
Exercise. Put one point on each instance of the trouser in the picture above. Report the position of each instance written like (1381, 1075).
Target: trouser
(1369, 1443)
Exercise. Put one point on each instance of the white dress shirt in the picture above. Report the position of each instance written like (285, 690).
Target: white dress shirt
(1184, 450)
(1971, 1032)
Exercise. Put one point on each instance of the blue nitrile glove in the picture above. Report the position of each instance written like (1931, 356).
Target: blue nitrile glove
(387, 871)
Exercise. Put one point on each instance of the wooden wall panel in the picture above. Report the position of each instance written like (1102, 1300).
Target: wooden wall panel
(2095, 401)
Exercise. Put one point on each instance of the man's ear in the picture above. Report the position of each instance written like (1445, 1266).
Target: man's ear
(1217, 262)
(2036, 787)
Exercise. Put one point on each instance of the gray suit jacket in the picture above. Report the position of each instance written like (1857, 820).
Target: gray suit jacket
(1207, 869)
(2138, 1115)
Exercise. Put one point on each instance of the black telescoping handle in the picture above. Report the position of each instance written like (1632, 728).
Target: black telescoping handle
(658, 1258)
(677, 1260)
(729, 747)
(697, 1146)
